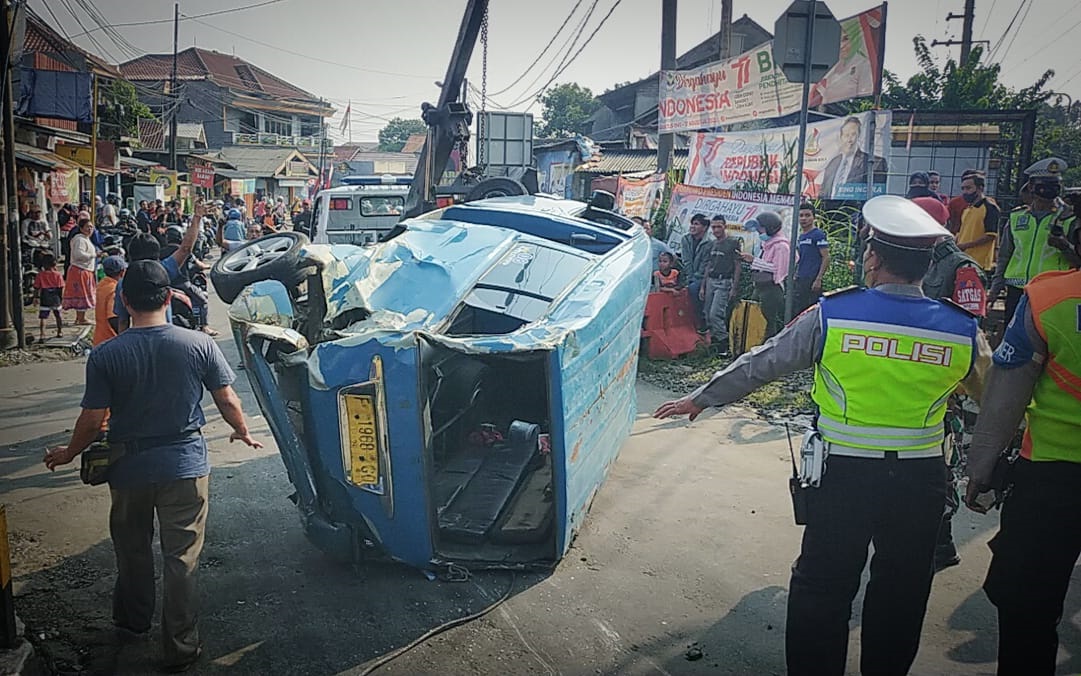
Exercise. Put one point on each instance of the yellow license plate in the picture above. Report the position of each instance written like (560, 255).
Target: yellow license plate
(363, 447)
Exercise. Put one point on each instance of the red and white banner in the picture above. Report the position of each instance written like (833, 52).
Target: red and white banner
(202, 175)
(751, 87)
(640, 197)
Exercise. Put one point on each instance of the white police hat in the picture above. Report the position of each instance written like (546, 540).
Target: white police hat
(900, 221)
(1048, 169)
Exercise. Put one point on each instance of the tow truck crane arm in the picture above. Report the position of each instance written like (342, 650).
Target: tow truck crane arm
(449, 120)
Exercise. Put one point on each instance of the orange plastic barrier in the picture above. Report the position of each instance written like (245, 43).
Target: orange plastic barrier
(669, 328)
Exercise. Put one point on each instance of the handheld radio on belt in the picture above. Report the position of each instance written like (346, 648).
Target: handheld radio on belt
(808, 474)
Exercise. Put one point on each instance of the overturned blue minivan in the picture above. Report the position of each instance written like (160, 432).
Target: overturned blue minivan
(456, 393)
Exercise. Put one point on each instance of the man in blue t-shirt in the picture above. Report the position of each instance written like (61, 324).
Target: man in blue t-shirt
(814, 259)
(145, 246)
(163, 466)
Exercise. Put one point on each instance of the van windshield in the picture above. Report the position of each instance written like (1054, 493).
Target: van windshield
(382, 206)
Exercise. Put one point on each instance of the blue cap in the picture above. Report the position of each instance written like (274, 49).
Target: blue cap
(114, 265)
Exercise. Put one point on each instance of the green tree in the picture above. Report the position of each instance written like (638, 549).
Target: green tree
(567, 109)
(121, 111)
(952, 86)
(392, 137)
(1058, 133)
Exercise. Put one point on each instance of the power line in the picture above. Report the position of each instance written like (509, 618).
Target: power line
(987, 19)
(565, 49)
(543, 51)
(571, 60)
(1006, 32)
(93, 40)
(195, 16)
(279, 48)
(1041, 50)
(1016, 33)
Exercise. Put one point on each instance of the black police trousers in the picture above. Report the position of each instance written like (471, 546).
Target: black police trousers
(896, 505)
(1033, 556)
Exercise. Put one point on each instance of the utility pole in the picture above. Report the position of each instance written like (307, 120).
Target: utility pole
(322, 149)
(10, 258)
(93, 143)
(668, 62)
(172, 90)
(966, 42)
(726, 29)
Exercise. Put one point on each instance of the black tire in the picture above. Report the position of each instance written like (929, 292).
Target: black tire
(497, 186)
(285, 268)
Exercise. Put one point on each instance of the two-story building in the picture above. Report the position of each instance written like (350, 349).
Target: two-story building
(237, 102)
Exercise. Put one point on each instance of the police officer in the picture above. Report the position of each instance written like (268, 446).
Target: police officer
(1036, 370)
(953, 276)
(1035, 239)
(885, 479)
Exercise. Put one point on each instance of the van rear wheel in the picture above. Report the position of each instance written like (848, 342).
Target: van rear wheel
(275, 256)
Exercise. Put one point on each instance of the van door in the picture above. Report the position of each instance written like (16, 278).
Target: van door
(361, 218)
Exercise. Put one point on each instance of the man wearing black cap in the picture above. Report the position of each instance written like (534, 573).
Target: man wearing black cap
(163, 467)
(885, 478)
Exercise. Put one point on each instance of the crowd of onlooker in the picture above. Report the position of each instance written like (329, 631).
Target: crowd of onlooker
(711, 263)
(77, 266)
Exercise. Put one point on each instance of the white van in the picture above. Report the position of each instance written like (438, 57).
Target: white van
(360, 211)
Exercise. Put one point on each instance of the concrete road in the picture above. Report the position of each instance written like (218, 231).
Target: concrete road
(688, 544)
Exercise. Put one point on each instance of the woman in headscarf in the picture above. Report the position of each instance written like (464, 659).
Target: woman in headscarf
(80, 286)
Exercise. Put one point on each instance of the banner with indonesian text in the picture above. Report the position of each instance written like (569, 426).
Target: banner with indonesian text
(751, 87)
(836, 162)
(739, 208)
(640, 197)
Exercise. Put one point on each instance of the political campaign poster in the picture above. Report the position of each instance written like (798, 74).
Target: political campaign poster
(835, 162)
(751, 86)
(640, 197)
(739, 208)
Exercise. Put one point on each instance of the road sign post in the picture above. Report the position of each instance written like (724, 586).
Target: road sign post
(806, 44)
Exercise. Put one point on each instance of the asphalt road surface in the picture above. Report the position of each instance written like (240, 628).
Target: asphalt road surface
(685, 553)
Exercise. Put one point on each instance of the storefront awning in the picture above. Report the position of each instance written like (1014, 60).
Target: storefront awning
(42, 158)
(136, 162)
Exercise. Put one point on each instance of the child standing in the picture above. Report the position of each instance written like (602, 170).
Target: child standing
(49, 288)
(666, 277)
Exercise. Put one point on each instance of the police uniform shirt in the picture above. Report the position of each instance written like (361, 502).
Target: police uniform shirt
(799, 346)
(1019, 359)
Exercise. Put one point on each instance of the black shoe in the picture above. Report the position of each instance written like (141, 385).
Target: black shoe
(125, 636)
(185, 665)
(946, 556)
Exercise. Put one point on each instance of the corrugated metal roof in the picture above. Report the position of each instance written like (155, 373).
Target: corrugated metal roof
(151, 134)
(260, 162)
(632, 161)
(415, 143)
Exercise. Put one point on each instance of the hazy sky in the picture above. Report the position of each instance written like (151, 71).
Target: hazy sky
(386, 55)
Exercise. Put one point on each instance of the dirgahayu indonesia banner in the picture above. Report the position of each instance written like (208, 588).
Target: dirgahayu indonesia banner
(737, 206)
(751, 87)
